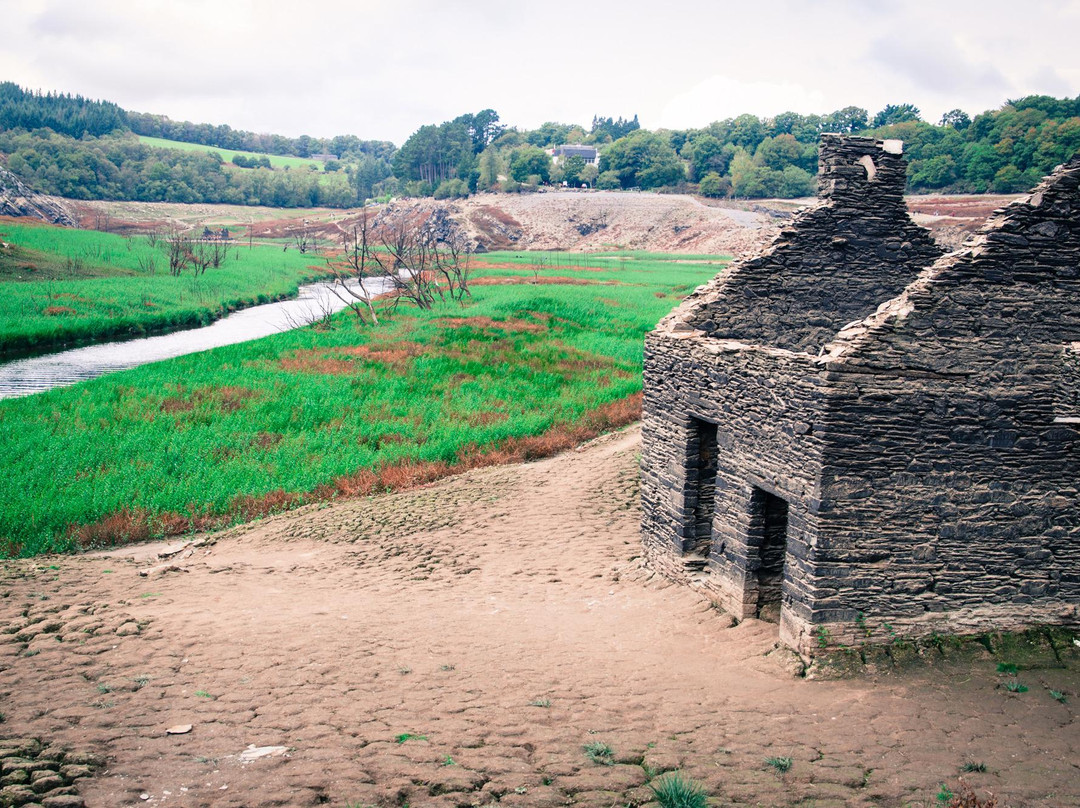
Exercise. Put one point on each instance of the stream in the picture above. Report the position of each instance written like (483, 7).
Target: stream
(23, 377)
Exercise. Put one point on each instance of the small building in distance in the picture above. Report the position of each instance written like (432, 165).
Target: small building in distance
(589, 154)
(860, 438)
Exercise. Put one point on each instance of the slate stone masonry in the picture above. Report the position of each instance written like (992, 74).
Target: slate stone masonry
(898, 425)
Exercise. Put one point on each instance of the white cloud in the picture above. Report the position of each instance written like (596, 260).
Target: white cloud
(382, 68)
(719, 97)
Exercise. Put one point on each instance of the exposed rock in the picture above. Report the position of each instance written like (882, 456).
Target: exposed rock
(17, 199)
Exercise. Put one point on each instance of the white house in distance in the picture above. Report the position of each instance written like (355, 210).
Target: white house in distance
(587, 153)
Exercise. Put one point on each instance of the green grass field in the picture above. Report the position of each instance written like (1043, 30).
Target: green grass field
(525, 368)
(62, 286)
(276, 160)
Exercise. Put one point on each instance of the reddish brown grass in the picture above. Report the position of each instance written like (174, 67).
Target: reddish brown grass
(486, 418)
(317, 362)
(389, 353)
(511, 324)
(339, 361)
(175, 404)
(543, 280)
(58, 311)
(227, 399)
(264, 440)
(253, 507)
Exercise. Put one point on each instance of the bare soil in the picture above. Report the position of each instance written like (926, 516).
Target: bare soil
(553, 220)
(459, 644)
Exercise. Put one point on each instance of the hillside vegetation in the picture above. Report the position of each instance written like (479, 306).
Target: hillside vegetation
(85, 149)
(246, 159)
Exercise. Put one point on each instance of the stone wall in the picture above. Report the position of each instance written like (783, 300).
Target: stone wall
(760, 400)
(929, 471)
(950, 485)
(835, 262)
(1068, 402)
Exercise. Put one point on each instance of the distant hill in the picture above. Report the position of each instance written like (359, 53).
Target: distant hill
(86, 149)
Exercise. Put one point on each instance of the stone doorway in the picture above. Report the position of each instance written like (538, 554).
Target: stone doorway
(768, 535)
(701, 479)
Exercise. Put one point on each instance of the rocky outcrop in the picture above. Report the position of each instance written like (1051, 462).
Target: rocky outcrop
(18, 199)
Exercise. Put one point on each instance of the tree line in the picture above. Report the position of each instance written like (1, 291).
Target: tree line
(1003, 151)
(72, 146)
(76, 116)
(118, 167)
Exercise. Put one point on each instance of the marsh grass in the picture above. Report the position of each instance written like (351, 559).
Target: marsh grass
(62, 285)
(201, 441)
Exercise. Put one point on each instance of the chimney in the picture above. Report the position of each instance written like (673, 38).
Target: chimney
(861, 171)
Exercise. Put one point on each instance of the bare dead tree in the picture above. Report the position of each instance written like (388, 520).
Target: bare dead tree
(420, 268)
(147, 264)
(359, 262)
(450, 261)
(427, 267)
(178, 250)
(305, 240)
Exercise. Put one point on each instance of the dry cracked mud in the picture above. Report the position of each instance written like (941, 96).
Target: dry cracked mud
(459, 645)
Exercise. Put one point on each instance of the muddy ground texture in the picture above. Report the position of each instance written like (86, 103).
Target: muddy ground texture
(462, 644)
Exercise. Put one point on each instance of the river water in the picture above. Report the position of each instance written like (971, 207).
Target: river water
(24, 377)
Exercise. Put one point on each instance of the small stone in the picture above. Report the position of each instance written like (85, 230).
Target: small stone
(16, 795)
(17, 777)
(63, 801)
(46, 783)
(85, 759)
(179, 729)
(254, 752)
(74, 772)
(13, 764)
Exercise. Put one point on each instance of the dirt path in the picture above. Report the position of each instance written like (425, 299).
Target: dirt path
(503, 621)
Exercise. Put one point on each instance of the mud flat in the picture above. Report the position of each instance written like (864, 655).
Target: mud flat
(462, 643)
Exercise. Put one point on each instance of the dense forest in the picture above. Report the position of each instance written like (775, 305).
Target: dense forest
(81, 148)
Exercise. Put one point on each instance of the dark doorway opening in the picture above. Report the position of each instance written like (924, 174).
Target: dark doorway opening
(768, 530)
(702, 482)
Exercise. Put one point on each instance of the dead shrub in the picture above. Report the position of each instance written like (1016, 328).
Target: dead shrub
(126, 526)
(965, 797)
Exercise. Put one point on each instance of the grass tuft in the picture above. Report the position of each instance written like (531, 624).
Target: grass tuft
(599, 752)
(674, 790)
(780, 764)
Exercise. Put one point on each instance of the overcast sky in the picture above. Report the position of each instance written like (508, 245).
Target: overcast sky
(382, 68)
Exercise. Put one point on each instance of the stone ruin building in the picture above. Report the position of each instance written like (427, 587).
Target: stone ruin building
(858, 437)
